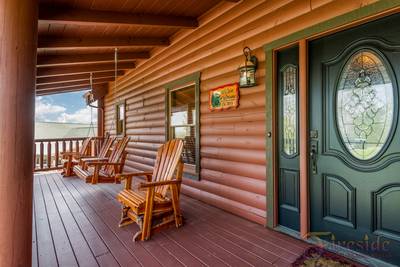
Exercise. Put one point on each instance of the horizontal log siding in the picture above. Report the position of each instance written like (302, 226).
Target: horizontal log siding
(232, 142)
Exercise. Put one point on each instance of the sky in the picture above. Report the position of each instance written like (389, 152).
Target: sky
(65, 108)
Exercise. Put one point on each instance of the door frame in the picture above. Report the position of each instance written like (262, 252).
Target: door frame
(301, 38)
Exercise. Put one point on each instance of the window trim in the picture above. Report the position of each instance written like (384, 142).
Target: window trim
(192, 79)
(116, 105)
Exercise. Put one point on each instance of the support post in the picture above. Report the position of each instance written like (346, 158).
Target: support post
(18, 44)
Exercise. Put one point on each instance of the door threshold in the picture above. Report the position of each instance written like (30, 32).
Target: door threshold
(345, 252)
(288, 231)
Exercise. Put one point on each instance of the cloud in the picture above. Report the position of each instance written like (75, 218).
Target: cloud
(50, 112)
(46, 111)
(79, 116)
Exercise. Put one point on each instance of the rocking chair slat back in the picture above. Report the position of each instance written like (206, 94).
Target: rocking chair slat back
(105, 148)
(117, 155)
(168, 157)
(85, 146)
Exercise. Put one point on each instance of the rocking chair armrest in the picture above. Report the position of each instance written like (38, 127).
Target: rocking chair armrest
(155, 184)
(123, 176)
(93, 159)
(69, 154)
(103, 163)
(84, 157)
(128, 177)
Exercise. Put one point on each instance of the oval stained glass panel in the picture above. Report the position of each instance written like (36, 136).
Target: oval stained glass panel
(289, 106)
(364, 107)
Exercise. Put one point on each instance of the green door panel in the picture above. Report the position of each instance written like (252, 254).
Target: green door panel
(354, 116)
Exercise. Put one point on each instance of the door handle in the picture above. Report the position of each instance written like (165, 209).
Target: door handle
(313, 156)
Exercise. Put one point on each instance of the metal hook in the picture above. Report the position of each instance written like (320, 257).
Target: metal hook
(247, 52)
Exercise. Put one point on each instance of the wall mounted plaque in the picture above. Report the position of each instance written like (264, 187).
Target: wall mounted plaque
(224, 97)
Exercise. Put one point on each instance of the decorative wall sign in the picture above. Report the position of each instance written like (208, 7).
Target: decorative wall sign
(224, 97)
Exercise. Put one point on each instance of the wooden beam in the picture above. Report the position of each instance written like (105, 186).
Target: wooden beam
(72, 16)
(77, 77)
(43, 93)
(65, 70)
(75, 83)
(99, 42)
(43, 61)
(61, 90)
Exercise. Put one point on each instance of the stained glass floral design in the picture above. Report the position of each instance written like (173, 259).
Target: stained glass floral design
(364, 104)
(289, 106)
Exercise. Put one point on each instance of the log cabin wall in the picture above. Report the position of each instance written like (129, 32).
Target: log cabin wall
(233, 152)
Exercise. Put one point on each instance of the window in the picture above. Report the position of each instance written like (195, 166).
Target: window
(183, 113)
(289, 105)
(120, 118)
(364, 109)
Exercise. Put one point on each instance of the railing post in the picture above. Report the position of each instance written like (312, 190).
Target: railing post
(41, 155)
(34, 157)
(56, 156)
(49, 155)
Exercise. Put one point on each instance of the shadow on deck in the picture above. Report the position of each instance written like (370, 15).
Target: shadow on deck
(77, 224)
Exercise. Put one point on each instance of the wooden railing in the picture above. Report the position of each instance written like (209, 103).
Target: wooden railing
(47, 154)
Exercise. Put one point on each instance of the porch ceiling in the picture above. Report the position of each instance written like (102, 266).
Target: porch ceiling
(77, 38)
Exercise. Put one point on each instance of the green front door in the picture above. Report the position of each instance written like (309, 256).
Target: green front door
(355, 138)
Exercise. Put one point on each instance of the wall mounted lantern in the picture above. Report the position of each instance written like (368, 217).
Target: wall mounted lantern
(248, 69)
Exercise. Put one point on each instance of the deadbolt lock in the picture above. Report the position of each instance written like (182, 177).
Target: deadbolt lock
(314, 134)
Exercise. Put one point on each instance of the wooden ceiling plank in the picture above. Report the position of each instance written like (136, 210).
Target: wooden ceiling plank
(76, 77)
(100, 86)
(75, 16)
(61, 90)
(75, 83)
(52, 42)
(43, 61)
(66, 70)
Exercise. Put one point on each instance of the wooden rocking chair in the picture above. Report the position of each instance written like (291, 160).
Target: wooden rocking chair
(103, 153)
(149, 205)
(70, 158)
(104, 170)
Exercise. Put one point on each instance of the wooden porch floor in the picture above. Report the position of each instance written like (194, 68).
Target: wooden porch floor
(76, 224)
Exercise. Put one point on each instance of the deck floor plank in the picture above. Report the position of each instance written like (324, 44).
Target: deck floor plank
(107, 260)
(93, 239)
(288, 253)
(80, 221)
(46, 252)
(235, 222)
(82, 251)
(34, 239)
(111, 217)
(62, 244)
(249, 246)
(117, 249)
